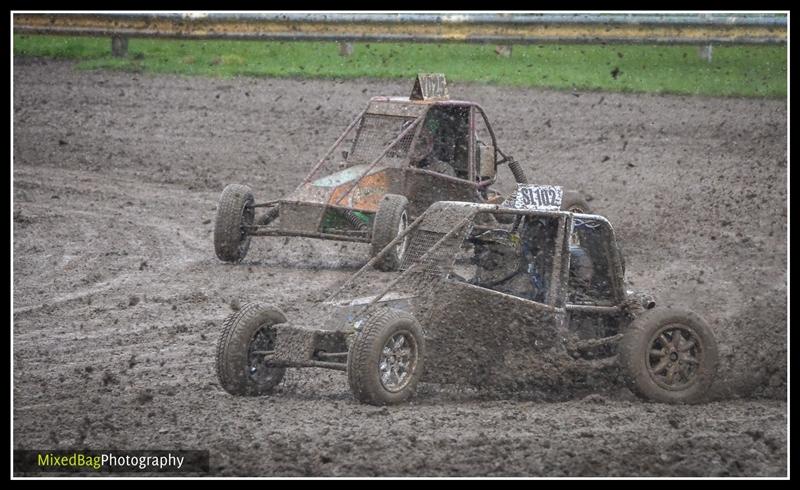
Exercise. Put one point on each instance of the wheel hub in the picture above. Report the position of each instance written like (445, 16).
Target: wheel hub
(673, 358)
(397, 362)
(257, 366)
(401, 247)
(248, 217)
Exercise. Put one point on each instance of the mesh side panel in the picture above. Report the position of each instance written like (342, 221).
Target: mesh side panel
(439, 261)
(420, 283)
(376, 133)
(420, 242)
(442, 216)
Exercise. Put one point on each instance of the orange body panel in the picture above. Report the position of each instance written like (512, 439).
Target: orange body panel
(365, 197)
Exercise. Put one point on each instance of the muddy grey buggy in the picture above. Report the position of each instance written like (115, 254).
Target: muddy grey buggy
(479, 302)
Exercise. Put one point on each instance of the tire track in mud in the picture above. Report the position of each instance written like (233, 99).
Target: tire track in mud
(127, 360)
(159, 241)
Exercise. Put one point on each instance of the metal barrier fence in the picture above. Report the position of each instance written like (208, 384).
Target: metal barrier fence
(501, 29)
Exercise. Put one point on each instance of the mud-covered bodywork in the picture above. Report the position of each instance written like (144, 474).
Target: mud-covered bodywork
(476, 333)
(504, 296)
(394, 160)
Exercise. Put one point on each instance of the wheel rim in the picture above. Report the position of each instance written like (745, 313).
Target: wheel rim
(401, 247)
(257, 367)
(673, 357)
(248, 217)
(398, 361)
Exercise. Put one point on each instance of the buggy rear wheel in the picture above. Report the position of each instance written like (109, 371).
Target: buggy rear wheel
(669, 356)
(247, 338)
(235, 213)
(390, 220)
(575, 202)
(385, 360)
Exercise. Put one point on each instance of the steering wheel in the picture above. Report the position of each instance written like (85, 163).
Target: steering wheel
(503, 237)
(528, 262)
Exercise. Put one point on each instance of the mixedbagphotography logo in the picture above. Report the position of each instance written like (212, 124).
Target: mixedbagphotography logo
(110, 461)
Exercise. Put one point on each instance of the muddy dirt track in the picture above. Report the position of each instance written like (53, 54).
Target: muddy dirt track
(118, 296)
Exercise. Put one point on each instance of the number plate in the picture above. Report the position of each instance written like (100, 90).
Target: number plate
(539, 197)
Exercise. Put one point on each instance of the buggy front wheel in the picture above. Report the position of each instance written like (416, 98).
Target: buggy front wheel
(248, 337)
(385, 360)
(669, 356)
(235, 214)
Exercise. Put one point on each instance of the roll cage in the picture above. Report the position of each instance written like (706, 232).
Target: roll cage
(436, 238)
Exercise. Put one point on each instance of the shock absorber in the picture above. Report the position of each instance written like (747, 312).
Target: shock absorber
(519, 176)
(268, 217)
(516, 169)
(354, 220)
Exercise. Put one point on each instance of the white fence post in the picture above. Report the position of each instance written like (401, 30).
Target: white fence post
(705, 52)
(345, 49)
